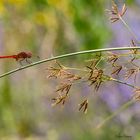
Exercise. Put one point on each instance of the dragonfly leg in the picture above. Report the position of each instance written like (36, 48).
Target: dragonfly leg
(28, 61)
(20, 61)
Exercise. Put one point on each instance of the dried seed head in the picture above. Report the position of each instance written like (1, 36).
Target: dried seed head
(131, 72)
(112, 58)
(136, 95)
(70, 76)
(84, 106)
(133, 51)
(62, 73)
(59, 100)
(123, 11)
(54, 72)
(116, 14)
(64, 88)
(117, 70)
(95, 77)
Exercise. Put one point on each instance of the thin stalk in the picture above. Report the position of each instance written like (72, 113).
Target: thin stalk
(128, 28)
(69, 68)
(123, 107)
(98, 62)
(122, 82)
(68, 55)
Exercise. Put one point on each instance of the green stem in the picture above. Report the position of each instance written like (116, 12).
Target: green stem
(127, 104)
(68, 55)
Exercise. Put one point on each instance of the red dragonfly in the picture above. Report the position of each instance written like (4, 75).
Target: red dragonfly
(19, 57)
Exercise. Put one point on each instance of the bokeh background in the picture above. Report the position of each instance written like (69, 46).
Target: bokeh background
(53, 27)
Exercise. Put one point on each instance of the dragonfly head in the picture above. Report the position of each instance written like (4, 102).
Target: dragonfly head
(29, 54)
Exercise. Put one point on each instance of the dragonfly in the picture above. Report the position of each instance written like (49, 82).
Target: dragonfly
(19, 57)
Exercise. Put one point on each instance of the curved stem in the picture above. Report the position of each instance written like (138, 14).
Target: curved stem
(68, 55)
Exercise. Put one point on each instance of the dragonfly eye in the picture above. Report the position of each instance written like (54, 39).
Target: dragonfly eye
(29, 55)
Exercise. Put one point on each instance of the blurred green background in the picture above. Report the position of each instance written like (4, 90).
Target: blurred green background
(46, 28)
